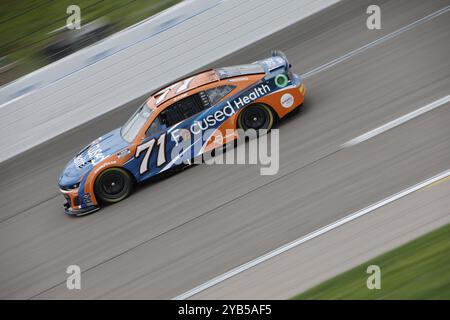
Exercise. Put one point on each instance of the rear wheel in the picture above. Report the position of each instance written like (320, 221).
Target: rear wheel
(113, 185)
(257, 117)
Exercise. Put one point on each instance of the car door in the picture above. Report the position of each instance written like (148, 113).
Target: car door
(154, 154)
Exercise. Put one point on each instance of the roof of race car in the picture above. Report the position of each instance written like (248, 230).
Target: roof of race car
(201, 79)
(181, 87)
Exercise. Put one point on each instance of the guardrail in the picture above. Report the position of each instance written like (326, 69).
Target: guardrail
(133, 62)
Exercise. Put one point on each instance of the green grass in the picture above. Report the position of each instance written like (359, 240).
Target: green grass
(25, 24)
(417, 270)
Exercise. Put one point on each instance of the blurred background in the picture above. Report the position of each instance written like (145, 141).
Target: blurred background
(33, 33)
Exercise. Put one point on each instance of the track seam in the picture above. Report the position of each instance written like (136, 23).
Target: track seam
(29, 208)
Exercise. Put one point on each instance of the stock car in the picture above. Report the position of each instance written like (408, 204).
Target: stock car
(206, 104)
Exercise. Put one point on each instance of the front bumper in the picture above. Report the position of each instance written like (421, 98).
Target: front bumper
(72, 206)
(79, 212)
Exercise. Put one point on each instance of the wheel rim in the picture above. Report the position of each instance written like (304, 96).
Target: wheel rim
(254, 118)
(112, 184)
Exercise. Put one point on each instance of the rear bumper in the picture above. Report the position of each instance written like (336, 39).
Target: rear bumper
(297, 82)
(302, 89)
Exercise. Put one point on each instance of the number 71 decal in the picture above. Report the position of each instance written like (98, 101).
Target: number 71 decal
(149, 147)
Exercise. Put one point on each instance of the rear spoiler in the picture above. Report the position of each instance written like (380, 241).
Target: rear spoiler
(282, 55)
(277, 63)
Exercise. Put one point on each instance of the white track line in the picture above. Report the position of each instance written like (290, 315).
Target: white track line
(376, 42)
(310, 236)
(357, 140)
(394, 123)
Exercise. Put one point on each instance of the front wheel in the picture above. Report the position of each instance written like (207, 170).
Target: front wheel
(113, 185)
(256, 117)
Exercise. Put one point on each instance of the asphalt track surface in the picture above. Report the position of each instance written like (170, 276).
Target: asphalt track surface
(341, 249)
(173, 235)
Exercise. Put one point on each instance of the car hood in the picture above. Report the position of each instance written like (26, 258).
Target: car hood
(89, 156)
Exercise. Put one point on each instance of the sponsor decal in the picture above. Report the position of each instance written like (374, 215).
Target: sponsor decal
(228, 110)
(79, 161)
(87, 199)
(185, 84)
(108, 163)
(287, 100)
(95, 153)
(281, 80)
(161, 95)
(147, 148)
(123, 153)
(191, 141)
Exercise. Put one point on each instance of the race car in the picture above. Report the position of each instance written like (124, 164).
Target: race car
(178, 123)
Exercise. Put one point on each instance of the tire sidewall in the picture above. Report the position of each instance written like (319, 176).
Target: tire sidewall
(102, 197)
(268, 111)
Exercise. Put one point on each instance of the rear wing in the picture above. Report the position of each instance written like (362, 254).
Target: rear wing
(277, 63)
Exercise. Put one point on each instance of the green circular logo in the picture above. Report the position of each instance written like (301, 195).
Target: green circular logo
(281, 80)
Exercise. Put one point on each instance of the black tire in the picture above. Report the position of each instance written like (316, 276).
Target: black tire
(113, 185)
(257, 117)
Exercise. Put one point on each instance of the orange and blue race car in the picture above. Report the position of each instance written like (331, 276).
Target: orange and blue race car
(196, 109)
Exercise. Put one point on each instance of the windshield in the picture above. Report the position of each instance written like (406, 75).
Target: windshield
(132, 127)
